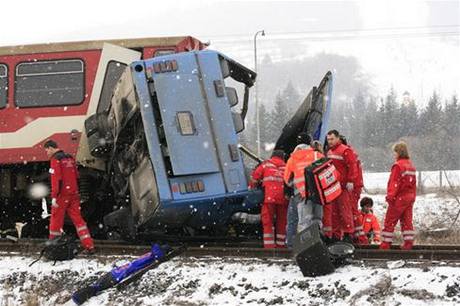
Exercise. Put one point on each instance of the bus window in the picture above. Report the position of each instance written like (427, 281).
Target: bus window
(50, 83)
(3, 85)
(112, 75)
(163, 52)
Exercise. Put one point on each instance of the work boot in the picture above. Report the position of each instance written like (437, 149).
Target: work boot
(385, 246)
(89, 251)
(407, 245)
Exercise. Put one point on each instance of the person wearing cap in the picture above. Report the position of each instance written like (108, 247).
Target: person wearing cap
(401, 193)
(65, 197)
(302, 212)
(269, 174)
(371, 226)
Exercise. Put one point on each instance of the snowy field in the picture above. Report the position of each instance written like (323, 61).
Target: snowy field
(431, 211)
(217, 281)
(431, 180)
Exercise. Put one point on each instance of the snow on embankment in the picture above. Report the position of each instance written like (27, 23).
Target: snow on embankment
(430, 211)
(216, 281)
(430, 180)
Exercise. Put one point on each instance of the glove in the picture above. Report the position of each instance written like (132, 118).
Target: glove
(349, 186)
(54, 203)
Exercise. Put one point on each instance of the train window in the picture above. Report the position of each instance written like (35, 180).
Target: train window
(112, 75)
(3, 85)
(50, 83)
(186, 125)
(163, 52)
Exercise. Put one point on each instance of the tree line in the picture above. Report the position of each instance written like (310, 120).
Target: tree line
(372, 124)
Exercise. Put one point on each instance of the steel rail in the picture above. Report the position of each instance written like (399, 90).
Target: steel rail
(111, 248)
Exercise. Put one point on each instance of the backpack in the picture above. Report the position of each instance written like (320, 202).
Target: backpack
(322, 181)
(62, 248)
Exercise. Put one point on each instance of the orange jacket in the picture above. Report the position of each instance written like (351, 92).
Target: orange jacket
(302, 157)
(370, 223)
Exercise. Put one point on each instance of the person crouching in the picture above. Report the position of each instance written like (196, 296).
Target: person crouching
(371, 226)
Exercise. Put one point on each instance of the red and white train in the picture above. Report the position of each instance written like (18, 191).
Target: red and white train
(47, 91)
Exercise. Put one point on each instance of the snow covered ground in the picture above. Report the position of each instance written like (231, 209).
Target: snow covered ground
(217, 281)
(431, 211)
(377, 181)
(238, 281)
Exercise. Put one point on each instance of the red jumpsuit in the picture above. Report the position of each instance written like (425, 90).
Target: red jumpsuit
(371, 224)
(270, 174)
(401, 192)
(64, 189)
(338, 216)
(358, 185)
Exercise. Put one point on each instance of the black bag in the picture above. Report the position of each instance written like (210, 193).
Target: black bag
(62, 248)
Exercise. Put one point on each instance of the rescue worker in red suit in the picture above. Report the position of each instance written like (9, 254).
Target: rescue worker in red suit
(65, 195)
(371, 226)
(341, 209)
(359, 234)
(401, 193)
(269, 174)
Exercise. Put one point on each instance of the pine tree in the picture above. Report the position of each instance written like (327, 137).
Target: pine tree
(279, 117)
(451, 146)
(411, 118)
(291, 98)
(265, 129)
(430, 119)
(357, 120)
(371, 128)
(391, 121)
(451, 117)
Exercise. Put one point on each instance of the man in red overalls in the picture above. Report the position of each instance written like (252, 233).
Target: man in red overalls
(401, 193)
(359, 234)
(342, 211)
(65, 195)
(269, 174)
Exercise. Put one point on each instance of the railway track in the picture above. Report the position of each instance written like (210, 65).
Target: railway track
(250, 249)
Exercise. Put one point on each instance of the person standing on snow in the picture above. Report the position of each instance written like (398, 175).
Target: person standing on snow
(269, 174)
(401, 193)
(302, 212)
(371, 226)
(65, 195)
(359, 234)
(345, 162)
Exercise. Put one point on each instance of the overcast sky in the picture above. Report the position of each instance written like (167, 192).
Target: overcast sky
(411, 45)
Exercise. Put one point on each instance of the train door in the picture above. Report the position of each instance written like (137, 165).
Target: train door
(113, 61)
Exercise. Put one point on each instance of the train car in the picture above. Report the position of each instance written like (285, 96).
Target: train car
(47, 91)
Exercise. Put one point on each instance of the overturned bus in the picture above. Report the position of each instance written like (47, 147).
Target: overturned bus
(169, 143)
